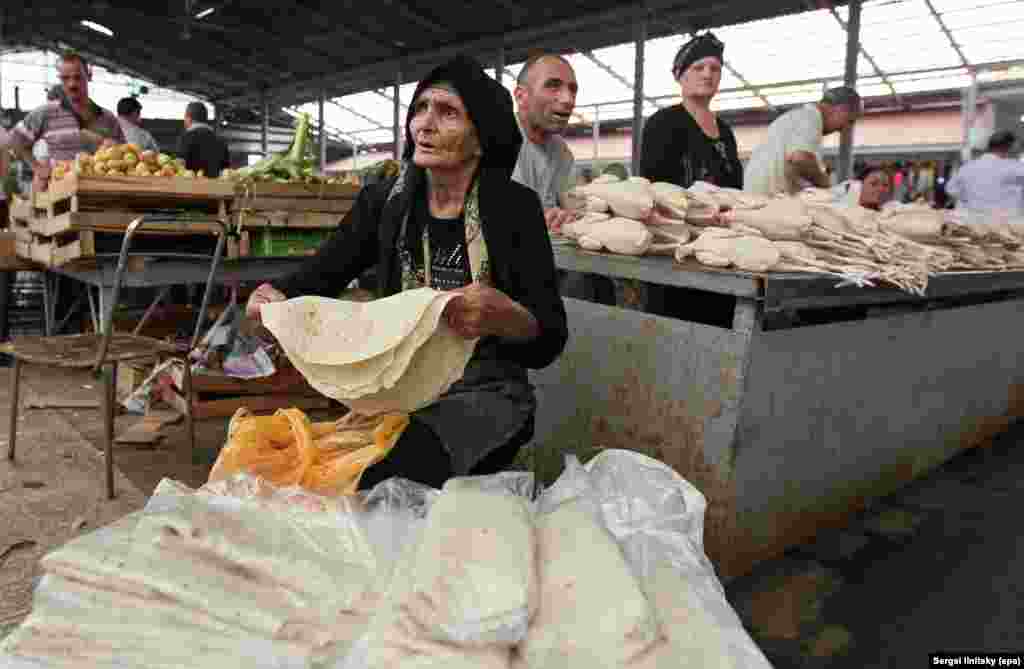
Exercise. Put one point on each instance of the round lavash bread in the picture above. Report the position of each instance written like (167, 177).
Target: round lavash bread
(339, 332)
(410, 367)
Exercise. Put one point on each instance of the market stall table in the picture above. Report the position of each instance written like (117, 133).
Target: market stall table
(172, 271)
(787, 430)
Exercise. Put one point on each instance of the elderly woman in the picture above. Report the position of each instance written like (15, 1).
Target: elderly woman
(688, 142)
(454, 220)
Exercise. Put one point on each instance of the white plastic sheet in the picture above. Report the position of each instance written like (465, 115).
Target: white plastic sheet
(658, 519)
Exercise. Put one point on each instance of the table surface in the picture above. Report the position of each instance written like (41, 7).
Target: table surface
(776, 289)
(170, 272)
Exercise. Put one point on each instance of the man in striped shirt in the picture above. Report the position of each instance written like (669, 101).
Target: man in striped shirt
(70, 125)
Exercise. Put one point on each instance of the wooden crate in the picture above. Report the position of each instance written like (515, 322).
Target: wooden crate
(274, 197)
(219, 396)
(129, 193)
(73, 236)
(296, 206)
(20, 209)
(288, 219)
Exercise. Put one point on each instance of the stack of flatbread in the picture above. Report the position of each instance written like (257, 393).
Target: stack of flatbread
(392, 355)
(200, 581)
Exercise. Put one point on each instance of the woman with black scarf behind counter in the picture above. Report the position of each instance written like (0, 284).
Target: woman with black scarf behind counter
(685, 143)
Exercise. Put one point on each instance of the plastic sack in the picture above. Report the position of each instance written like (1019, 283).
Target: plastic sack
(286, 449)
(396, 514)
(657, 517)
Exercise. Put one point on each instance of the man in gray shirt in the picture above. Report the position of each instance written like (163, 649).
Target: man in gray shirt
(546, 96)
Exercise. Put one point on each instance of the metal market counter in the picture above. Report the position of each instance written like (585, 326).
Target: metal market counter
(787, 429)
(162, 273)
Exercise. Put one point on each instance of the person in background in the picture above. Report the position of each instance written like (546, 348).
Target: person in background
(790, 156)
(687, 142)
(7, 183)
(71, 124)
(545, 94)
(129, 113)
(200, 147)
(994, 181)
(875, 187)
(683, 144)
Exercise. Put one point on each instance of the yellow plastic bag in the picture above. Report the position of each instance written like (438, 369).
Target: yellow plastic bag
(286, 449)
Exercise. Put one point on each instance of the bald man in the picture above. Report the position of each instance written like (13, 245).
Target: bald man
(546, 96)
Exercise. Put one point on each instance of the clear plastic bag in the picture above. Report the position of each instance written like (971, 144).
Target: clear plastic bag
(657, 517)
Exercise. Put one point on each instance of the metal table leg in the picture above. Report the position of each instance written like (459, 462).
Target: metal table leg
(160, 297)
(71, 312)
(93, 313)
(106, 304)
(51, 316)
(47, 298)
(15, 383)
(109, 408)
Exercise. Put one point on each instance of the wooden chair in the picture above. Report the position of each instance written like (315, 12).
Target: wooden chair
(105, 350)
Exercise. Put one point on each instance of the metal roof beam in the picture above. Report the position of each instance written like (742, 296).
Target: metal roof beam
(184, 72)
(350, 110)
(879, 72)
(389, 98)
(415, 16)
(589, 55)
(948, 33)
(551, 35)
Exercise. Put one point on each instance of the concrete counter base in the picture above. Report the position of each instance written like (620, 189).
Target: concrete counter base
(787, 432)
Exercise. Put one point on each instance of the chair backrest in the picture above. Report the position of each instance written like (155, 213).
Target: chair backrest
(122, 265)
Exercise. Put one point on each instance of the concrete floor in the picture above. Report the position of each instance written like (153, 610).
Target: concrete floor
(932, 567)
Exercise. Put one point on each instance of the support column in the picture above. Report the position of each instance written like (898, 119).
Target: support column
(597, 131)
(323, 134)
(397, 112)
(968, 113)
(640, 37)
(2, 29)
(844, 167)
(266, 123)
(499, 66)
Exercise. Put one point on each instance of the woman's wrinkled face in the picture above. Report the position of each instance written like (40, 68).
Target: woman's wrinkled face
(875, 190)
(702, 78)
(444, 136)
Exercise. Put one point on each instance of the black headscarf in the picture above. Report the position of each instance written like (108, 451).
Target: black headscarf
(489, 106)
(697, 48)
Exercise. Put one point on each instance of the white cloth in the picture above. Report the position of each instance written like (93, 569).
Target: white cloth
(989, 183)
(139, 136)
(545, 168)
(798, 130)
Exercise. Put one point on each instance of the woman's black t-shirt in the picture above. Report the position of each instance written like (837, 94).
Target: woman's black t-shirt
(449, 262)
(676, 150)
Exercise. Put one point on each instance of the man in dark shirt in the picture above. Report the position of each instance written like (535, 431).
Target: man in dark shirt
(199, 146)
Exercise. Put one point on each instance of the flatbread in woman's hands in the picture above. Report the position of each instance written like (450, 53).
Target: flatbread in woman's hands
(407, 368)
(340, 332)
